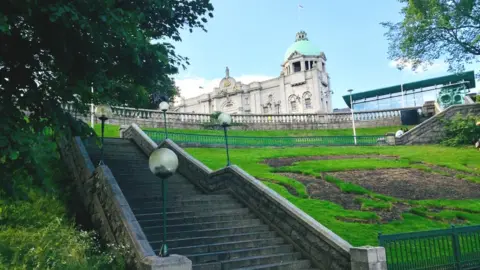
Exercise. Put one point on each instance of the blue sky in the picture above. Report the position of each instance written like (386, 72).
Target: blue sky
(251, 37)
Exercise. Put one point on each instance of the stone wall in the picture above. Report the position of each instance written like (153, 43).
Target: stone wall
(109, 210)
(326, 249)
(431, 130)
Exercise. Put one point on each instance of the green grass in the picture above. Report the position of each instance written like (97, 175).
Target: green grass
(336, 217)
(312, 167)
(113, 131)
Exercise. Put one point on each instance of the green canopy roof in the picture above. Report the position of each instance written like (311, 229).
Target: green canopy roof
(468, 77)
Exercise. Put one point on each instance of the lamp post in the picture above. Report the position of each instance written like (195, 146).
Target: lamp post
(353, 117)
(163, 163)
(103, 112)
(225, 120)
(164, 107)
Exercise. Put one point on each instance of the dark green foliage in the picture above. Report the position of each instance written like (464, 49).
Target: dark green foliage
(436, 30)
(461, 130)
(53, 52)
(36, 230)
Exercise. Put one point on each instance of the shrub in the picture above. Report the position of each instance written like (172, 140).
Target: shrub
(461, 130)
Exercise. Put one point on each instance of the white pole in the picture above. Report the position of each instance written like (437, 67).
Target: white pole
(92, 111)
(353, 118)
(403, 99)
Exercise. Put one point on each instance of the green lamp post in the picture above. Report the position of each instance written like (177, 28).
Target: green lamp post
(103, 112)
(163, 163)
(164, 107)
(225, 121)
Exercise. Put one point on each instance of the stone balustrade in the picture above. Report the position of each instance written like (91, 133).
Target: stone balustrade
(155, 118)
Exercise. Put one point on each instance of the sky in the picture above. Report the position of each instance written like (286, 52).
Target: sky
(251, 37)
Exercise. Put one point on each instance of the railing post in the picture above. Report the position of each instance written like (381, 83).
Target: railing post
(456, 248)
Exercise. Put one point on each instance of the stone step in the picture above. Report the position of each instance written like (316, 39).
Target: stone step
(135, 193)
(238, 254)
(203, 226)
(157, 235)
(209, 240)
(173, 207)
(252, 261)
(157, 187)
(227, 246)
(291, 265)
(195, 220)
(187, 214)
(204, 199)
(156, 183)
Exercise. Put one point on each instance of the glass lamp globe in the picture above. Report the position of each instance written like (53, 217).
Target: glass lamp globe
(225, 119)
(103, 111)
(163, 162)
(163, 106)
(399, 133)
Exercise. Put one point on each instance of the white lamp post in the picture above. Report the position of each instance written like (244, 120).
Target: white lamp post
(103, 112)
(164, 107)
(353, 117)
(163, 163)
(225, 120)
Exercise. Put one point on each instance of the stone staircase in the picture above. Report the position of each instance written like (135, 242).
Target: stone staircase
(215, 231)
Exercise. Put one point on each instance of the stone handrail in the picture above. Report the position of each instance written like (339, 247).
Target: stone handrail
(326, 249)
(156, 115)
(109, 210)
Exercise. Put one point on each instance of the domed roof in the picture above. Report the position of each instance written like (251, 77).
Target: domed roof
(302, 45)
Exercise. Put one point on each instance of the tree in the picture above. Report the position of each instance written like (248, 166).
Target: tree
(436, 29)
(54, 51)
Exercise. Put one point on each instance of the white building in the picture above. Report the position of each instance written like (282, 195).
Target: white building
(302, 87)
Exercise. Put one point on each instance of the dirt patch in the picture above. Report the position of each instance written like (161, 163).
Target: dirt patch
(411, 184)
(287, 161)
(320, 189)
(323, 190)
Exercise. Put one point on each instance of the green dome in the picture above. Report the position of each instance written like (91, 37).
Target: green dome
(302, 45)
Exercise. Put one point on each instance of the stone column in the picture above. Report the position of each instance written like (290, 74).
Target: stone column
(368, 258)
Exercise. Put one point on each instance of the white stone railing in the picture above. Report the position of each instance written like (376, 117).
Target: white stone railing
(156, 115)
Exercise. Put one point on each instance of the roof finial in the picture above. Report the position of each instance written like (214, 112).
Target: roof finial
(302, 35)
(227, 72)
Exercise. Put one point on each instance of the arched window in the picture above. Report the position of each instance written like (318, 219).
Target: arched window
(293, 102)
(307, 99)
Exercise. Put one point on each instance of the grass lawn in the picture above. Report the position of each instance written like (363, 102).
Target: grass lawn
(334, 216)
(113, 131)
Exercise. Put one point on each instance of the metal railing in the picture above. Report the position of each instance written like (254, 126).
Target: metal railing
(455, 248)
(213, 140)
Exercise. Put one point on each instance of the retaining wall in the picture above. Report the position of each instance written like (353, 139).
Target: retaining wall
(431, 130)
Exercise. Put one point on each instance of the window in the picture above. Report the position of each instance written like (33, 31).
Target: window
(307, 99)
(247, 101)
(297, 67)
(308, 103)
(265, 110)
(323, 66)
(307, 65)
(277, 108)
(293, 104)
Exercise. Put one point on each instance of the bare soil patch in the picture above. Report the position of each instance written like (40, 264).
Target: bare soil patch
(320, 189)
(287, 161)
(411, 184)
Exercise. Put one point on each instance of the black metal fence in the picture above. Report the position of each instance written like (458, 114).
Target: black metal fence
(455, 248)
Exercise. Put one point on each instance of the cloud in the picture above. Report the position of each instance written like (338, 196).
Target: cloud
(190, 85)
(435, 67)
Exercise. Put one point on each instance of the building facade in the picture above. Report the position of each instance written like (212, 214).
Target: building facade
(302, 87)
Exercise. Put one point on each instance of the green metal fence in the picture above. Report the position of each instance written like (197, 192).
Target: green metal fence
(454, 248)
(212, 140)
